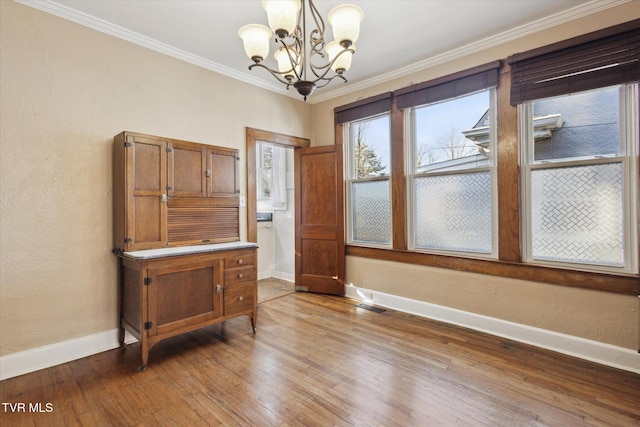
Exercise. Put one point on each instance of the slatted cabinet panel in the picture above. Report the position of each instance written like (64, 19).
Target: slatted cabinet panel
(173, 197)
(169, 192)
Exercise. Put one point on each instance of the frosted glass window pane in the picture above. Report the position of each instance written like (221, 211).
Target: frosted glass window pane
(453, 212)
(577, 214)
(371, 213)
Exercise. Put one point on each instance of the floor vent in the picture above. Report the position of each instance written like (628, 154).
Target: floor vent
(371, 308)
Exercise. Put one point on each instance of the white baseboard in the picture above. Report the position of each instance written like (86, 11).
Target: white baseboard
(277, 274)
(50, 355)
(265, 274)
(284, 276)
(15, 364)
(605, 354)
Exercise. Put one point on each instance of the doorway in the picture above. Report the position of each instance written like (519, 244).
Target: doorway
(271, 209)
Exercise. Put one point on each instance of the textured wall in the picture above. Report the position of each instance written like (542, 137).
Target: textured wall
(66, 90)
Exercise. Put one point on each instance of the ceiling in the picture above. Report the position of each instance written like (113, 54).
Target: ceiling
(396, 38)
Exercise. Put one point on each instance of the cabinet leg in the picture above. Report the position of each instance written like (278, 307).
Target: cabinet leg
(121, 337)
(253, 322)
(144, 355)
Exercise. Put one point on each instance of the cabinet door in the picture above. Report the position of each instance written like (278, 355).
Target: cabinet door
(187, 169)
(183, 296)
(146, 181)
(222, 173)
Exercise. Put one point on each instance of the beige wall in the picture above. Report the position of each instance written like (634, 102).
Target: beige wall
(599, 316)
(65, 91)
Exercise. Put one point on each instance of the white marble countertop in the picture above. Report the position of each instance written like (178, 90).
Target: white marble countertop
(187, 250)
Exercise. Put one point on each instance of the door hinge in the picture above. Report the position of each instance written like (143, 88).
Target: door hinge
(128, 144)
(147, 280)
(148, 325)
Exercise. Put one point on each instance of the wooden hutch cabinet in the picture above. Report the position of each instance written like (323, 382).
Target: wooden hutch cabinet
(176, 234)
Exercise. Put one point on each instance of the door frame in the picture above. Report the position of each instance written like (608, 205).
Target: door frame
(252, 137)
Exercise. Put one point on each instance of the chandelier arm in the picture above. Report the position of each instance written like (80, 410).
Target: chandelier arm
(300, 54)
(295, 65)
(320, 27)
(277, 74)
(317, 69)
(328, 80)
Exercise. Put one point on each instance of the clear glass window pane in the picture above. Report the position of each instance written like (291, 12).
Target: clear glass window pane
(370, 148)
(453, 212)
(371, 212)
(453, 134)
(584, 124)
(577, 214)
(264, 170)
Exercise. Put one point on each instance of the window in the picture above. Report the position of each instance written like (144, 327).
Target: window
(264, 170)
(579, 177)
(580, 181)
(452, 187)
(368, 181)
(365, 126)
(271, 176)
(546, 192)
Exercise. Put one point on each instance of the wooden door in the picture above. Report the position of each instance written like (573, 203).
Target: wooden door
(319, 220)
(186, 170)
(146, 177)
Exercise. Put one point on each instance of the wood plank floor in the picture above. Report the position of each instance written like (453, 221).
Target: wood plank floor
(321, 361)
(272, 287)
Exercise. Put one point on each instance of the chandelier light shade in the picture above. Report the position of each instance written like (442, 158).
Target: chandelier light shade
(282, 16)
(340, 63)
(256, 40)
(304, 59)
(345, 21)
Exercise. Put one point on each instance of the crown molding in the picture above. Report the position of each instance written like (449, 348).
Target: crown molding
(582, 10)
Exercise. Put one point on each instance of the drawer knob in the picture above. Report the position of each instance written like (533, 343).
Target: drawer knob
(240, 276)
(240, 261)
(240, 298)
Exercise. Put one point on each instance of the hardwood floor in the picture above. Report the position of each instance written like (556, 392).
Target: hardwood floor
(272, 287)
(317, 360)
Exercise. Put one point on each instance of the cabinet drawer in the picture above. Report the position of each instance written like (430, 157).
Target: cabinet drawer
(242, 274)
(240, 258)
(239, 297)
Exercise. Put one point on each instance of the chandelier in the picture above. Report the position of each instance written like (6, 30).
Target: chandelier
(305, 64)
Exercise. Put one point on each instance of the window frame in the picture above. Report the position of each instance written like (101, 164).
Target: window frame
(350, 180)
(509, 263)
(412, 175)
(628, 158)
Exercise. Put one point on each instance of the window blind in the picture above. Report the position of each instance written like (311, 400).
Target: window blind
(363, 108)
(599, 59)
(468, 81)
